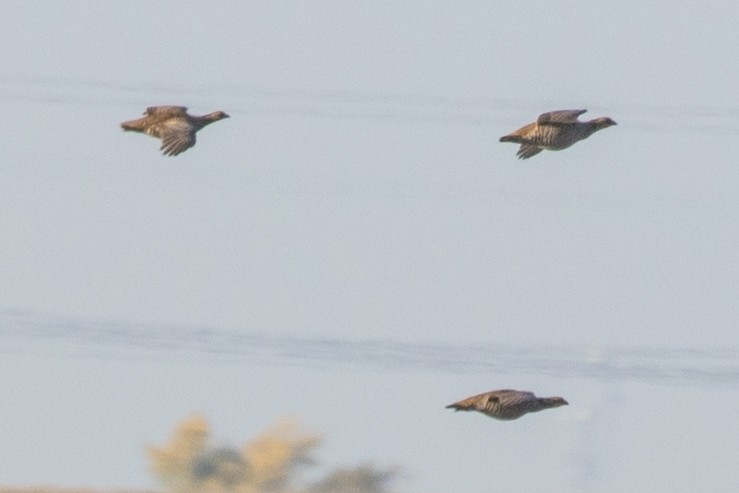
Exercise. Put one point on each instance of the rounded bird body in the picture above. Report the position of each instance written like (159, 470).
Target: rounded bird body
(507, 404)
(173, 125)
(555, 130)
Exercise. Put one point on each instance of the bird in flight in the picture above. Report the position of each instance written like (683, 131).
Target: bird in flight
(555, 130)
(173, 125)
(507, 404)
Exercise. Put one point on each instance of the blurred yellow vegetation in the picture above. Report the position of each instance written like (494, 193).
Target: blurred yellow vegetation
(270, 463)
(276, 453)
(174, 464)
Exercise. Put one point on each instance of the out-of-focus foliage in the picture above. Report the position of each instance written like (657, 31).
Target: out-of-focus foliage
(361, 479)
(174, 463)
(221, 468)
(270, 463)
(275, 456)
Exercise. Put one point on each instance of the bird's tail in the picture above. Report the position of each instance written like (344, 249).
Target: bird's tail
(511, 138)
(133, 125)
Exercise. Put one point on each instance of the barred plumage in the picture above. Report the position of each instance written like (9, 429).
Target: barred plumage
(555, 130)
(507, 404)
(173, 125)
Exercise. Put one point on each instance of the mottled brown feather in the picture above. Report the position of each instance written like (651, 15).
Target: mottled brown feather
(554, 130)
(173, 125)
(507, 404)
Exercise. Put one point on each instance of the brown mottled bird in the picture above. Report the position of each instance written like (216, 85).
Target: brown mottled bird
(173, 125)
(555, 130)
(507, 404)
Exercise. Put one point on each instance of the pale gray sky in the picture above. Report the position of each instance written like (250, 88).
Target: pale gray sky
(359, 190)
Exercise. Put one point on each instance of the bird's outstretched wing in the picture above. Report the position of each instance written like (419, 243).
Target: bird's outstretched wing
(510, 397)
(505, 397)
(527, 151)
(177, 137)
(164, 112)
(560, 116)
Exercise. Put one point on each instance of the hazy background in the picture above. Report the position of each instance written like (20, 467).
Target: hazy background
(359, 195)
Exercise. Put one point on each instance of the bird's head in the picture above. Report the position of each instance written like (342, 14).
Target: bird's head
(558, 401)
(604, 122)
(219, 115)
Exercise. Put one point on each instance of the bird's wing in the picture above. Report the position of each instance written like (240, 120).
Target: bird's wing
(165, 112)
(511, 397)
(505, 395)
(527, 151)
(560, 116)
(177, 136)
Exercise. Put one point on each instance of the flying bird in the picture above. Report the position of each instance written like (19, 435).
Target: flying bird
(555, 130)
(507, 404)
(173, 125)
